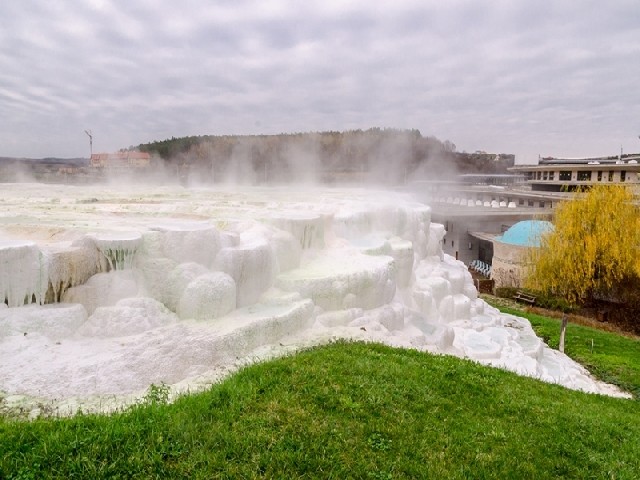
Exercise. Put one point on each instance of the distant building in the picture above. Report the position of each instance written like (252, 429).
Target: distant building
(479, 211)
(570, 174)
(120, 160)
(479, 207)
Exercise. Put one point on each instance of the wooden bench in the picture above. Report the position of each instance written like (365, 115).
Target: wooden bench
(524, 297)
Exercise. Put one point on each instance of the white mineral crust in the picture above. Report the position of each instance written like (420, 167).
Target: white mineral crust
(181, 286)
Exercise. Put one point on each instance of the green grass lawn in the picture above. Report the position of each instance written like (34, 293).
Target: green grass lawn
(345, 410)
(611, 357)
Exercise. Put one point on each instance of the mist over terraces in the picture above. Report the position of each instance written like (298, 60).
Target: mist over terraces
(382, 156)
(376, 155)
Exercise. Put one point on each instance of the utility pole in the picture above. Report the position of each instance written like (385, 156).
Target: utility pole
(88, 132)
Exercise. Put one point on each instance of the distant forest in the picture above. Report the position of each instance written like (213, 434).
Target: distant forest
(380, 155)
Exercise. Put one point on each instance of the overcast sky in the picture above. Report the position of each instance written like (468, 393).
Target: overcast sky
(528, 77)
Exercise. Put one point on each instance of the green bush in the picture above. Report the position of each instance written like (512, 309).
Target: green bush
(544, 301)
(506, 292)
(554, 303)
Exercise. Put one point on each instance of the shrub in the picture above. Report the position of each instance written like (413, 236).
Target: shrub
(554, 303)
(506, 292)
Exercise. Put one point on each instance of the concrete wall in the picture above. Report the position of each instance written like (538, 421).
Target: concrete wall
(508, 267)
(459, 244)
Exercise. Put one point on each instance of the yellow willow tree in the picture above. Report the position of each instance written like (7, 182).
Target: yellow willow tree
(593, 249)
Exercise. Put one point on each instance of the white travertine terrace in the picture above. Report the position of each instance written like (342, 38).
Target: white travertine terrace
(23, 273)
(118, 248)
(105, 291)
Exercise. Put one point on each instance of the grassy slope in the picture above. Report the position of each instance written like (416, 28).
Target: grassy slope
(344, 411)
(611, 357)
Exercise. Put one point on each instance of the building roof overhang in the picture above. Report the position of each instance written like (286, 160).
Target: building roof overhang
(633, 167)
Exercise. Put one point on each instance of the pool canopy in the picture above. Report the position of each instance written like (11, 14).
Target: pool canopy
(526, 233)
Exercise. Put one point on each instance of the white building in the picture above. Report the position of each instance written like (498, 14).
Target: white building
(568, 175)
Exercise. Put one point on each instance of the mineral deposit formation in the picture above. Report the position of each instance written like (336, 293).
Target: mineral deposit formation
(104, 291)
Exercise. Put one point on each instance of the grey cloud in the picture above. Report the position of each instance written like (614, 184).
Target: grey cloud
(524, 77)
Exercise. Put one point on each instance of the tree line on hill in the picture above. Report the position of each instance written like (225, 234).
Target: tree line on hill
(379, 155)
